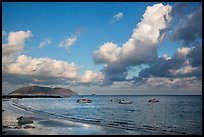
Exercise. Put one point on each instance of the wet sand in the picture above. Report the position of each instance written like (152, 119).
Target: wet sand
(45, 125)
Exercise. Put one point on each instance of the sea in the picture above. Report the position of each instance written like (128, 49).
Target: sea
(173, 114)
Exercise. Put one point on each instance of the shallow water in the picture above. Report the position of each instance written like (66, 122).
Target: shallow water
(171, 115)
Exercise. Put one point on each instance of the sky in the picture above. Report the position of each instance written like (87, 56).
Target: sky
(106, 48)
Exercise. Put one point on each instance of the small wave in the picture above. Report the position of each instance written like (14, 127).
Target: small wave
(121, 122)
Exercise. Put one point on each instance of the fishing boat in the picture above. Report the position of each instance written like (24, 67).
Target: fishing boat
(153, 100)
(84, 100)
(125, 102)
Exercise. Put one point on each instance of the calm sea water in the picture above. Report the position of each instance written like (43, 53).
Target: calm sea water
(171, 115)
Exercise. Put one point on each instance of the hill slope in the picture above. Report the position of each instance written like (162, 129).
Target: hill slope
(37, 90)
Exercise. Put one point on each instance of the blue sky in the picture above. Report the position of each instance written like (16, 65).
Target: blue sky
(57, 21)
(63, 19)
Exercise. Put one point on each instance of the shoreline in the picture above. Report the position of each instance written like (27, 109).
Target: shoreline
(48, 122)
(45, 125)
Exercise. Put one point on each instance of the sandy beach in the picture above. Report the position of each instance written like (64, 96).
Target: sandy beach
(45, 125)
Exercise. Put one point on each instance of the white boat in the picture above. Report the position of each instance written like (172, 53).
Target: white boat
(125, 102)
(84, 100)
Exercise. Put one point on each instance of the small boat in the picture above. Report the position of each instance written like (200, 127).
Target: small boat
(84, 100)
(125, 102)
(153, 100)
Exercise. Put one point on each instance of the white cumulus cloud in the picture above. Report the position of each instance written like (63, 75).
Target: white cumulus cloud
(107, 53)
(140, 48)
(15, 45)
(91, 76)
(26, 65)
(47, 70)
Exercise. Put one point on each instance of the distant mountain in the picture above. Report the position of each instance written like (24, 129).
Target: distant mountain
(37, 90)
